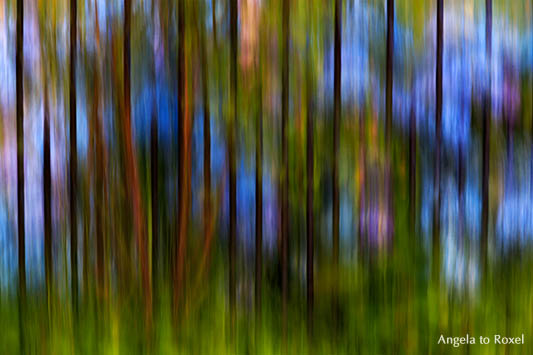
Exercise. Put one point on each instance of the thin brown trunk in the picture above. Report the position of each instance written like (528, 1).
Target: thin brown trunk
(232, 173)
(20, 176)
(389, 77)
(486, 141)
(47, 207)
(214, 22)
(336, 119)
(131, 170)
(309, 201)
(232, 226)
(208, 232)
(208, 213)
(100, 166)
(46, 185)
(259, 200)
(388, 114)
(181, 88)
(99, 211)
(362, 187)
(412, 167)
(461, 179)
(185, 198)
(154, 163)
(73, 159)
(85, 243)
(461, 189)
(335, 160)
(438, 138)
(155, 201)
(284, 169)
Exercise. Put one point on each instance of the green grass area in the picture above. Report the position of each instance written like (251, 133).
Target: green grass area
(385, 308)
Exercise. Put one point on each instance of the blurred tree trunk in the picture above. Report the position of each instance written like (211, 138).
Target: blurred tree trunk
(285, 168)
(259, 197)
(438, 138)
(362, 186)
(132, 176)
(154, 170)
(186, 193)
(45, 68)
(207, 135)
(208, 210)
(389, 76)
(85, 272)
(461, 174)
(73, 158)
(47, 199)
(186, 125)
(486, 140)
(335, 160)
(98, 151)
(20, 175)
(461, 188)
(166, 10)
(309, 200)
(214, 22)
(231, 155)
(412, 166)
(388, 112)
(155, 200)
(181, 88)
(362, 225)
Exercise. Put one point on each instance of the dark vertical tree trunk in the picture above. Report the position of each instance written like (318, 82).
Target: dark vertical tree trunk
(309, 200)
(208, 214)
(186, 194)
(335, 160)
(486, 140)
(461, 175)
(207, 138)
(231, 155)
(100, 273)
(389, 77)
(259, 198)
(100, 167)
(20, 174)
(284, 169)
(47, 207)
(208, 230)
(412, 166)
(438, 138)
(73, 158)
(85, 272)
(362, 184)
(362, 225)
(461, 189)
(98, 151)
(388, 111)
(181, 88)
(46, 181)
(388, 115)
(154, 164)
(132, 175)
(336, 118)
(214, 22)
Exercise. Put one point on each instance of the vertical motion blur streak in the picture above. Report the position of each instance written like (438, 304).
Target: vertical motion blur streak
(265, 176)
